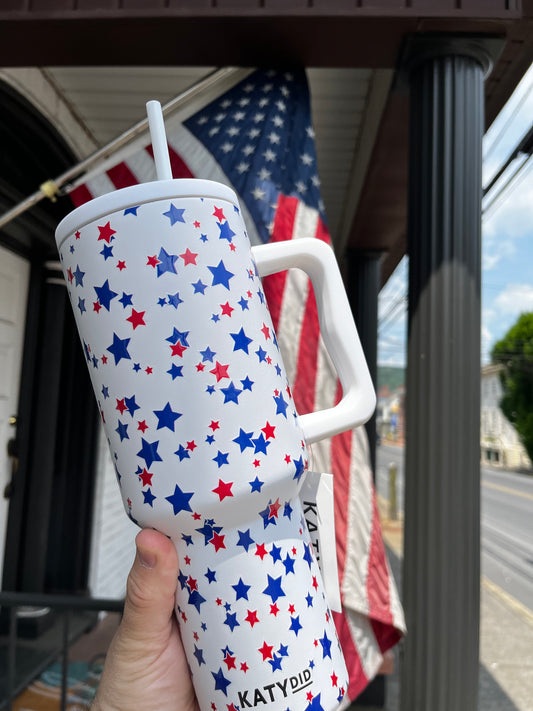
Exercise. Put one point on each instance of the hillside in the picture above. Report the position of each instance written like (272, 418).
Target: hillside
(391, 376)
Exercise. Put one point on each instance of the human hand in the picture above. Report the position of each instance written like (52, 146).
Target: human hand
(146, 667)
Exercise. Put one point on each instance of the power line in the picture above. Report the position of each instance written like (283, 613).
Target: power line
(503, 130)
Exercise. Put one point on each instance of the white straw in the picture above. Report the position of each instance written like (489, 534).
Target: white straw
(159, 140)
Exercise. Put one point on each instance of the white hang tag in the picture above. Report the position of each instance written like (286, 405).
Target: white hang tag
(316, 496)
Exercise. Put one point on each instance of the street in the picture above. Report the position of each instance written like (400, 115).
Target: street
(506, 522)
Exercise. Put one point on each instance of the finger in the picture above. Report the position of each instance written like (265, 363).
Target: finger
(149, 603)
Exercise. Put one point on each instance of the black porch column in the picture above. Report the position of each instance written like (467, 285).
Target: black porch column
(364, 281)
(442, 497)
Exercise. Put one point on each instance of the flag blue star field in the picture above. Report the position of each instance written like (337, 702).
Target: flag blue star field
(257, 138)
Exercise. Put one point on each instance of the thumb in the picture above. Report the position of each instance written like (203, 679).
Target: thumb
(151, 587)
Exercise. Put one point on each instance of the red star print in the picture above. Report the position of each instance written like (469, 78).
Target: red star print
(191, 446)
(106, 232)
(266, 331)
(223, 489)
(261, 551)
(221, 371)
(315, 584)
(229, 661)
(249, 293)
(219, 213)
(294, 551)
(196, 636)
(196, 516)
(274, 609)
(232, 247)
(77, 234)
(192, 583)
(121, 264)
(257, 463)
(269, 360)
(288, 458)
(148, 370)
(244, 667)
(268, 429)
(292, 609)
(178, 349)
(141, 425)
(146, 478)
(273, 509)
(231, 707)
(196, 224)
(121, 406)
(218, 541)
(288, 391)
(129, 502)
(136, 318)
(189, 257)
(70, 275)
(104, 359)
(334, 679)
(214, 425)
(226, 309)
(97, 306)
(200, 367)
(153, 261)
(184, 617)
(213, 707)
(218, 601)
(266, 651)
(252, 617)
(309, 696)
(187, 560)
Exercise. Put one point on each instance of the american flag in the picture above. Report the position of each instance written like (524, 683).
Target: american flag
(257, 138)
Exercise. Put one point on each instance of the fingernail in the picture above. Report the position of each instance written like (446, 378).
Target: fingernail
(146, 558)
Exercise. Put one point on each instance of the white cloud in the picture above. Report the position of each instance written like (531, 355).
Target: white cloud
(515, 299)
(513, 218)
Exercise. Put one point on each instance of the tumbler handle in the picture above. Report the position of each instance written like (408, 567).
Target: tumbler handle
(338, 329)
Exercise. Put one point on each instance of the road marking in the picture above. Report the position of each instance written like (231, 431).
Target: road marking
(507, 490)
(508, 600)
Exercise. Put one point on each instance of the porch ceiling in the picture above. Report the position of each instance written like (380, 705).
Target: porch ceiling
(350, 50)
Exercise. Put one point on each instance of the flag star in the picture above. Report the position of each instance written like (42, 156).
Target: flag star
(105, 294)
(258, 194)
(119, 348)
(174, 214)
(106, 232)
(166, 417)
(179, 500)
(223, 489)
(241, 590)
(149, 453)
(241, 341)
(166, 263)
(221, 275)
(227, 147)
(269, 155)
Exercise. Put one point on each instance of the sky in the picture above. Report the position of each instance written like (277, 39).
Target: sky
(507, 240)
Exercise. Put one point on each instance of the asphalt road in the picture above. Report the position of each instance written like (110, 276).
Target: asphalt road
(506, 523)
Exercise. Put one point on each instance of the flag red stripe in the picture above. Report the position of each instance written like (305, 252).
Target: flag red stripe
(274, 285)
(357, 677)
(121, 176)
(80, 195)
(305, 380)
(341, 447)
(179, 167)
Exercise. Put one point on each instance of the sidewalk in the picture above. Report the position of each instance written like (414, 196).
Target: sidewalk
(506, 640)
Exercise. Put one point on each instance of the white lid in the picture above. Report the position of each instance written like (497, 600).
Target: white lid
(138, 194)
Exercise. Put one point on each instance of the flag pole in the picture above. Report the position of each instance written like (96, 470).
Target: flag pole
(50, 188)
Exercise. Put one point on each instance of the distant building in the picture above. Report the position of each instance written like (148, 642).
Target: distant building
(500, 443)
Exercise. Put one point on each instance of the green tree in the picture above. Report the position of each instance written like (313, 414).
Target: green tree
(515, 353)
